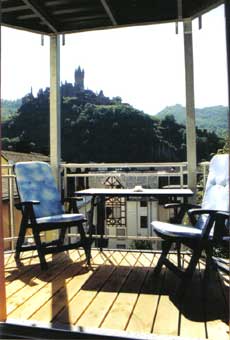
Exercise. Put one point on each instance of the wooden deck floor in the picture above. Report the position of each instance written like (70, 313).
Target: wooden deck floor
(118, 292)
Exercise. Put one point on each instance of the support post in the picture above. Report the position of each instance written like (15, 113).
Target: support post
(190, 106)
(227, 28)
(2, 274)
(55, 107)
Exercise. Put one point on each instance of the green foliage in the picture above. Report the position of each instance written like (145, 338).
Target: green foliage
(141, 244)
(9, 108)
(212, 119)
(98, 129)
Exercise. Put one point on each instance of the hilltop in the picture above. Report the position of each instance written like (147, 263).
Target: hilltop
(9, 107)
(212, 118)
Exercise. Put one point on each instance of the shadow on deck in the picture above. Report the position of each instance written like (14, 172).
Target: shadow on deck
(118, 293)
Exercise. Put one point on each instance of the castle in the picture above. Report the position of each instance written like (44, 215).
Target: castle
(70, 90)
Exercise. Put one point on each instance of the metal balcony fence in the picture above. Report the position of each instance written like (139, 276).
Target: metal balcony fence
(120, 215)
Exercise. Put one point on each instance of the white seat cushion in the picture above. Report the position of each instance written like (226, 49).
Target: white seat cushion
(175, 230)
(62, 218)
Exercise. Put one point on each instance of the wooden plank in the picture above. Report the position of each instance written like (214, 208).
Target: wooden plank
(192, 321)
(28, 259)
(217, 310)
(100, 306)
(20, 280)
(18, 303)
(119, 315)
(142, 317)
(13, 271)
(85, 292)
(59, 293)
(119, 292)
(167, 305)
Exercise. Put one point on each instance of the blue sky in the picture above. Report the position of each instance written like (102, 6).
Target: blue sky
(143, 65)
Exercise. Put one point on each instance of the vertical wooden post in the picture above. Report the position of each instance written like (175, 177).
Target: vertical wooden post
(55, 106)
(190, 106)
(2, 275)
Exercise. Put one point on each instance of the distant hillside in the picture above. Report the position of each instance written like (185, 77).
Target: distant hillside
(210, 118)
(9, 107)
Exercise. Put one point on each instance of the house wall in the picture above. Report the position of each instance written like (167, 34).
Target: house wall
(134, 214)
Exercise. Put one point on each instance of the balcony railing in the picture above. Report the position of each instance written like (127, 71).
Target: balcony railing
(76, 176)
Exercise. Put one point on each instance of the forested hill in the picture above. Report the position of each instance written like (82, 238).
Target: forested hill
(211, 118)
(96, 128)
(9, 107)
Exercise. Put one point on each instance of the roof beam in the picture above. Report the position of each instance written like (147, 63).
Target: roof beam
(13, 9)
(37, 9)
(109, 12)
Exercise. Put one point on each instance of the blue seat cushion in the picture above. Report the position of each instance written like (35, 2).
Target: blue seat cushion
(175, 230)
(62, 218)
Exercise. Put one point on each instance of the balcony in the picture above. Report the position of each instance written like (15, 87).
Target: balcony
(119, 293)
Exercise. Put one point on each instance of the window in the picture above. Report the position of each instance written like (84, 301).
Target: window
(121, 232)
(143, 203)
(143, 222)
(121, 246)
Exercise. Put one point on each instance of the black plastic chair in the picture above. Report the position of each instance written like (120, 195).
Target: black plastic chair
(209, 223)
(42, 210)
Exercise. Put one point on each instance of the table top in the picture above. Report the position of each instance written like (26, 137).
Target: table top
(137, 191)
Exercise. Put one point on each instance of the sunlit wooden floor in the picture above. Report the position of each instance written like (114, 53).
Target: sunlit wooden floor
(119, 292)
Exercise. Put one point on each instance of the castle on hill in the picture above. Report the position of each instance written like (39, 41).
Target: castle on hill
(69, 89)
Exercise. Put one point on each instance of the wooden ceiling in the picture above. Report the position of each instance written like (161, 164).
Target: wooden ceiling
(66, 16)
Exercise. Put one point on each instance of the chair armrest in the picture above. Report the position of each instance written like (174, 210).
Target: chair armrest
(180, 210)
(20, 205)
(221, 234)
(193, 212)
(201, 211)
(225, 214)
(178, 205)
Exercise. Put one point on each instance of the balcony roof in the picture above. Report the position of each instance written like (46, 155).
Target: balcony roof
(67, 16)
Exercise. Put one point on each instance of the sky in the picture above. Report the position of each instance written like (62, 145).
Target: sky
(143, 65)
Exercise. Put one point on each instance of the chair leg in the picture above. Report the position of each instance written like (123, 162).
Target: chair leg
(62, 236)
(85, 242)
(178, 247)
(193, 263)
(20, 240)
(41, 254)
(209, 262)
(166, 245)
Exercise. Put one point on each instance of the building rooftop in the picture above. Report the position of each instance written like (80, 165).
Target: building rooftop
(14, 156)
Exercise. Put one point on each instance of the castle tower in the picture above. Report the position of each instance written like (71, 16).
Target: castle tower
(79, 75)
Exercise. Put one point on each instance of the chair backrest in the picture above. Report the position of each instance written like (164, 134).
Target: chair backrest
(216, 195)
(36, 182)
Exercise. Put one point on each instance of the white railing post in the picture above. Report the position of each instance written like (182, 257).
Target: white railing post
(190, 105)
(55, 107)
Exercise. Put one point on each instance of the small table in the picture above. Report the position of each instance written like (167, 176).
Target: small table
(102, 193)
